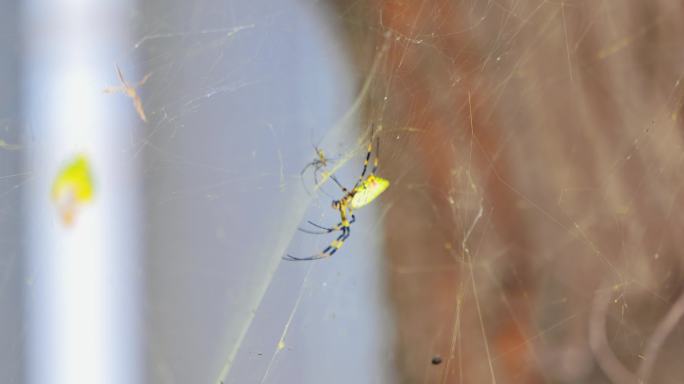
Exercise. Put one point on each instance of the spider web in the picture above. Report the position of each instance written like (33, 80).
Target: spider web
(248, 186)
(546, 148)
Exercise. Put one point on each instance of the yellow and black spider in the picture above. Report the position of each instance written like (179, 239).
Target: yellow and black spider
(366, 189)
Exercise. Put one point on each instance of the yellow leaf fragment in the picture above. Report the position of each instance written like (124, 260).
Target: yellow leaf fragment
(73, 187)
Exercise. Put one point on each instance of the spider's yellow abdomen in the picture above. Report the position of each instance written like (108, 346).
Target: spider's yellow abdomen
(368, 190)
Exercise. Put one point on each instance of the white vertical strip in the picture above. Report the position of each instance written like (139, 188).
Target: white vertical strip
(82, 294)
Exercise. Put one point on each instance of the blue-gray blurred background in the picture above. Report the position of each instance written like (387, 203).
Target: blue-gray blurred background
(193, 208)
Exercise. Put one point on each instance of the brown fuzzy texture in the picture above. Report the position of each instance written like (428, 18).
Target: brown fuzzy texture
(535, 151)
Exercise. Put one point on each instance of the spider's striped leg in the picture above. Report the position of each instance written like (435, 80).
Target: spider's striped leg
(293, 258)
(342, 187)
(325, 230)
(327, 252)
(365, 162)
(377, 153)
(367, 159)
(337, 244)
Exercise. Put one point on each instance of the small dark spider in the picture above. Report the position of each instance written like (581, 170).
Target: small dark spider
(318, 163)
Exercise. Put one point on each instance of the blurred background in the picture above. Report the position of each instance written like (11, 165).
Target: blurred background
(151, 181)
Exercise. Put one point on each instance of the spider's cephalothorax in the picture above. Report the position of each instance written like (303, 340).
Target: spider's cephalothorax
(366, 189)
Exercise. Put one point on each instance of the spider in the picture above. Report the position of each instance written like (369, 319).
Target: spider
(318, 163)
(366, 189)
